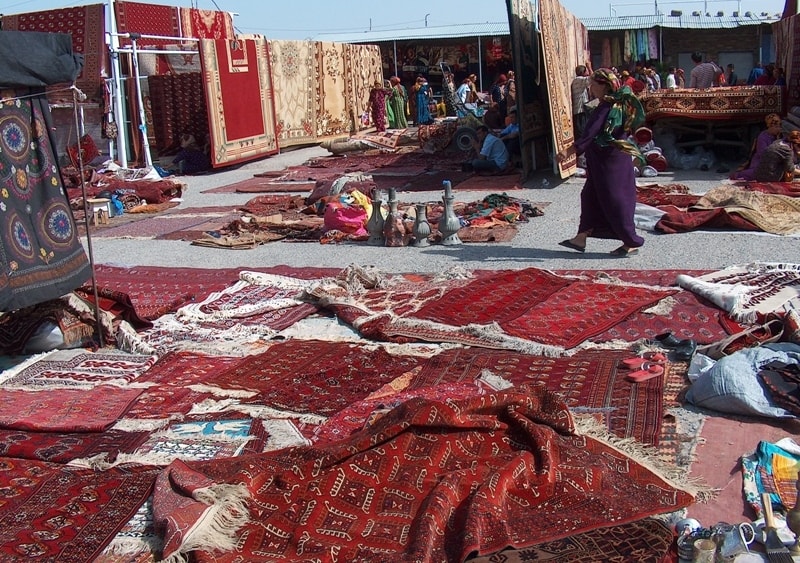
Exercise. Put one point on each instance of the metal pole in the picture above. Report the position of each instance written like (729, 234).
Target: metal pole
(116, 91)
(480, 65)
(86, 214)
(394, 46)
(142, 117)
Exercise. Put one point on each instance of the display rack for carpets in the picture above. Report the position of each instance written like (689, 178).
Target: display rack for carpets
(721, 116)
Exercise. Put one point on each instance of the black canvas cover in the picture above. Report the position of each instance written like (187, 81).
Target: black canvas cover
(31, 59)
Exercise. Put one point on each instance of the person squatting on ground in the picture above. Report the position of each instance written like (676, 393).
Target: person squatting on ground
(778, 160)
(772, 133)
(608, 198)
(492, 153)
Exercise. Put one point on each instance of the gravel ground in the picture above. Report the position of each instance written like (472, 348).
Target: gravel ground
(536, 244)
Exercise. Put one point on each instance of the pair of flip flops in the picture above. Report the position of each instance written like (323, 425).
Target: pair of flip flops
(645, 367)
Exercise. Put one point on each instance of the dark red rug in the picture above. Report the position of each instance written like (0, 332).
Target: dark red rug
(64, 410)
(589, 382)
(529, 310)
(312, 376)
(63, 447)
(57, 513)
(429, 481)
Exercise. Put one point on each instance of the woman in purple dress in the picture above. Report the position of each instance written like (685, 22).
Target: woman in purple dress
(608, 199)
(772, 133)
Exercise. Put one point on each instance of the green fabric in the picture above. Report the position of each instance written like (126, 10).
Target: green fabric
(396, 107)
(626, 112)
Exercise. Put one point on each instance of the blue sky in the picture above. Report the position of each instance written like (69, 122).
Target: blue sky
(306, 19)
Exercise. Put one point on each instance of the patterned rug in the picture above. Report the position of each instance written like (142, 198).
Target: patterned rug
(77, 369)
(295, 106)
(331, 110)
(363, 68)
(728, 102)
(234, 321)
(516, 473)
(239, 94)
(527, 310)
(63, 447)
(334, 375)
(643, 541)
(80, 513)
(749, 292)
(776, 214)
(565, 43)
(387, 139)
(64, 410)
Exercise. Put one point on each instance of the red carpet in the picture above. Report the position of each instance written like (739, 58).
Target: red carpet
(334, 374)
(65, 410)
(430, 481)
(528, 310)
(56, 513)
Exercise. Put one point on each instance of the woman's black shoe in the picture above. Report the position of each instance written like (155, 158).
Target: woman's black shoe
(668, 340)
(685, 350)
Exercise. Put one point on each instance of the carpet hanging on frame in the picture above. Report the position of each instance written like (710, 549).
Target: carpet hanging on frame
(239, 95)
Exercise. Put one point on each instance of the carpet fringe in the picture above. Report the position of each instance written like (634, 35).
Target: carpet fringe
(491, 334)
(220, 392)
(128, 340)
(217, 528)
(254, 411)
(663, 308)
(282, 435)
(608, 279)
(645, 455)
(141, 425)
(131, 548)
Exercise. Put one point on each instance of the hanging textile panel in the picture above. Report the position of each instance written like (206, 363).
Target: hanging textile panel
(744, 103)
(206, 24)
(292, 66)
(86, 25)
(363, 68)
(41, 257)
(147, 19)
(239, 95)
(787, 47)
(178, 107)
(333, 115)
(559, 32)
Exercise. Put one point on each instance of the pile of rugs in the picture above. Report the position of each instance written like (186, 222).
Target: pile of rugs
(300, 414)
(771, 207)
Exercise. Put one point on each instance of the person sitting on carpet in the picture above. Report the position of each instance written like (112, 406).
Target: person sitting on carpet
(191, 159)
(778, 160)
(608, 198)
(747, 170)
(510, 135)
(492, 153)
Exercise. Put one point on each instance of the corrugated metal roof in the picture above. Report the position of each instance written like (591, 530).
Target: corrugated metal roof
(492, 29)
(684, 21)
(433, 32)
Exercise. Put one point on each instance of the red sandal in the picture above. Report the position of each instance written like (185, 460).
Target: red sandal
(647, 357)
(648, 371)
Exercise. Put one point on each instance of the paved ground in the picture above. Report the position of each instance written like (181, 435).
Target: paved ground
(534, 246)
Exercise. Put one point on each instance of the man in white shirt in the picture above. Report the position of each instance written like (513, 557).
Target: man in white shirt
(580, 96)
(492, 153)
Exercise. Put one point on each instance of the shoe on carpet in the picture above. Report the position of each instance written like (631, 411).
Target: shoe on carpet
(668, 340)
(569, 244)
(646, 358)
(648, 371)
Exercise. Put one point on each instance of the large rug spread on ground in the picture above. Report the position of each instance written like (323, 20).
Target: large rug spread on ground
(499, 470)
(241, 109)
(528, 310)
(730, 102)
(57, 513)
